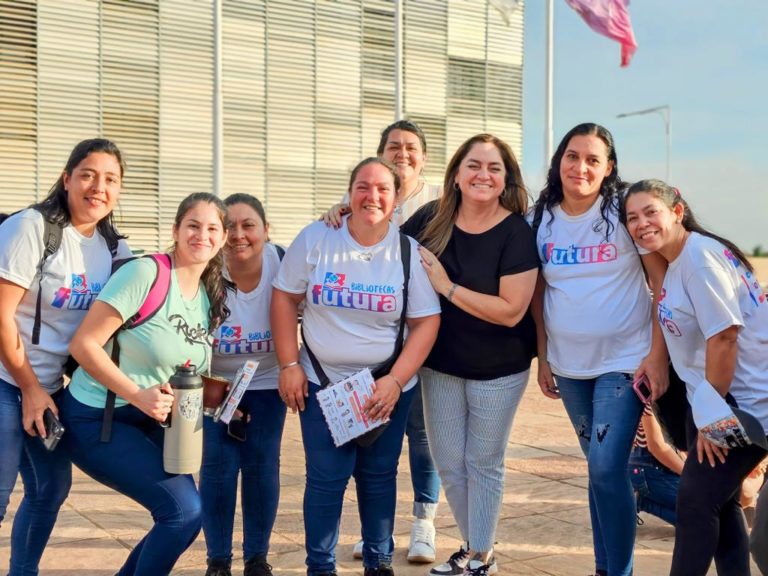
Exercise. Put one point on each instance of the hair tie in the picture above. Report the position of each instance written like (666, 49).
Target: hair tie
(677, 192)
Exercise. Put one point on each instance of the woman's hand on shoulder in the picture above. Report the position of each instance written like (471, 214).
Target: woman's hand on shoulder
(436, 273)
(334, 214)
(547, 381)
(34, 401)
(385, 396)
(155, 401)
(294, 387)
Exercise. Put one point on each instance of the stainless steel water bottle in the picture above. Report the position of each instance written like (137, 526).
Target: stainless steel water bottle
(183, 443)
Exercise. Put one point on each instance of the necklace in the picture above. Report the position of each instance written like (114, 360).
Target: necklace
(418, 188)
(366, 255)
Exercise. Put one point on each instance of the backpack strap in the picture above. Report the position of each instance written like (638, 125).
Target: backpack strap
(280, 251)
(52, 233)
(109, 405)
(158, 292)
(156, 297)
(405, 259)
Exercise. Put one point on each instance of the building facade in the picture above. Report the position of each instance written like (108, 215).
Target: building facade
(307, 86)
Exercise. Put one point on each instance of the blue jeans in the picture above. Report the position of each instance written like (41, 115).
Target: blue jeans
(424, 476)
(605, 412)
(655, 485)
(259, 460)
(47, 477)
(132, 464)
(328, 472)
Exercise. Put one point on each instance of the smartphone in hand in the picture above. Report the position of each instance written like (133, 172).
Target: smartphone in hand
(54, 430)
(642, 388)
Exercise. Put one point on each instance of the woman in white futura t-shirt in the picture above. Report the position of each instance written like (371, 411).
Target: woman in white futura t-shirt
(57, 294)
(351, 280)
(714, 316)
(593, 314)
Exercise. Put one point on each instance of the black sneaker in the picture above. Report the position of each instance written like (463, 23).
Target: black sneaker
(382, 570)
(455, 565)
(257, 566)
(218, 568)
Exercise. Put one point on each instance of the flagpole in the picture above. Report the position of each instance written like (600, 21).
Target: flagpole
(548, 131)
(398, 60)
(218, 106)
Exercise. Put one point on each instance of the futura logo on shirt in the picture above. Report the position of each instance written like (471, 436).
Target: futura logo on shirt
(231, 340)
(335, 292)
(79, 297)
(579, 254)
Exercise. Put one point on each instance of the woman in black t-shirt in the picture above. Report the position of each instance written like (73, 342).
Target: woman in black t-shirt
(480, 257)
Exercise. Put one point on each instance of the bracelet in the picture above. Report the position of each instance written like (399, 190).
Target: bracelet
(449, 296)
(289, 365)
(397, 381)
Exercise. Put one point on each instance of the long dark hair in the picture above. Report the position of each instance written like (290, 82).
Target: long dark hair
(514, 197)
(212, 278)
(611, 186)
(55, 206)
(671, 197)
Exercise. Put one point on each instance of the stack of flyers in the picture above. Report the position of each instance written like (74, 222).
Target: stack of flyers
(239, 385)
(342, 406)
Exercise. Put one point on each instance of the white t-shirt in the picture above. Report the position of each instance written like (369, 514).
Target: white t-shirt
(354, 297)
(403, 211)
(706, 290)
(597, 306)
(73, 276)
(247, 333)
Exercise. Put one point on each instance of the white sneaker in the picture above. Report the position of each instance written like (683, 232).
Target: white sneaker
(422, 546)
(478, 568)
(357, 551)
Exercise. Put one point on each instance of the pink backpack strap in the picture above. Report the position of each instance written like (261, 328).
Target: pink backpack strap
(158, 292)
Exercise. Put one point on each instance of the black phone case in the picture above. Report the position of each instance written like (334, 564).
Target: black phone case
(54, 430)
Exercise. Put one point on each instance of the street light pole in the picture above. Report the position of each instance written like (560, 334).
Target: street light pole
(666, 114)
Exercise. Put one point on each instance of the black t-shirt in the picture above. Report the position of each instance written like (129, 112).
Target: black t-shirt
(468, 347)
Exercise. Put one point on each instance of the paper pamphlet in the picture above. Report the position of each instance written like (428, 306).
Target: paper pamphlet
(342, 405)
(227, 408)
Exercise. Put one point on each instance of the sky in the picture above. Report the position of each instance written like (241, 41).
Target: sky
(707, 60)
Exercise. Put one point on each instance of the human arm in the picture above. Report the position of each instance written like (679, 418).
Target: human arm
(34, 398)
(284, 313)
(656, 364)
(657, 444)
(422, 333)
(506, 309)
(544, 376)
(87, 347)
(719, 367)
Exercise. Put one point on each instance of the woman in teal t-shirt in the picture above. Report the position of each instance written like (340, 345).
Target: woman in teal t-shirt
(132, 461)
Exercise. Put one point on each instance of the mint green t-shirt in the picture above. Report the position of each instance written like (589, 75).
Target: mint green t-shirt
(149, 353)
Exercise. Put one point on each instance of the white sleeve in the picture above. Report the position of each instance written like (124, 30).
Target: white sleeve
(422, 298)
(715, 299)
(21, 239)
(123, 250)
(293, 275)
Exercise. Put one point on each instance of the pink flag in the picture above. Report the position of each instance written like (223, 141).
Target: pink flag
(609, 18)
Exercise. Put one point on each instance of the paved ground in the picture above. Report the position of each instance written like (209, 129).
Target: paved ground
(544, 527)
